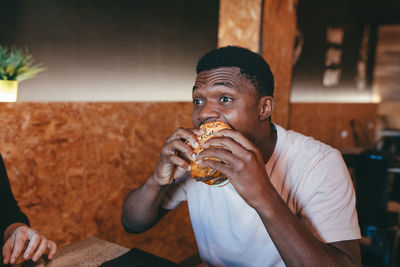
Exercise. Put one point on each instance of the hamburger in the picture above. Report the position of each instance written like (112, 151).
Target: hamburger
(204, 174)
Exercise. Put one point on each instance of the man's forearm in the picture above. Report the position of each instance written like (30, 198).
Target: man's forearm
(141, 206)
(294, 241)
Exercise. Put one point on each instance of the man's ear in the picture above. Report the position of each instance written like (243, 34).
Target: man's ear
(266, 107)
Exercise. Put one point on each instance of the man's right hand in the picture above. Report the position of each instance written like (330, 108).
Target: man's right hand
(175, 156)
(142, 207)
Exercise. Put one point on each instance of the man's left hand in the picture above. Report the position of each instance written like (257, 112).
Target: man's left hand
(243, 164)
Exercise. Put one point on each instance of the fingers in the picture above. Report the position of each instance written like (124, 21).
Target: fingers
(236, 136)
(178, 146)
(53, 249)
(21, 237)
(224, 143)
(229, 161)
(182, 142)
(223, 168)
(7, 249)
(35, 241)
(175, 155)
(180, 162)
(236, 152)
(234, 142)
(188, 135)
(40, 249)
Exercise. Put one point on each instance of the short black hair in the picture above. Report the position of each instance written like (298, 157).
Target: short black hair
(251, 65)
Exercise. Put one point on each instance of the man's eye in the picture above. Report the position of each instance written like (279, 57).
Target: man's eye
(196, 101)
(225, 99)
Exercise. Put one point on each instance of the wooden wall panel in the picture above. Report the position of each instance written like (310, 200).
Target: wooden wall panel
(278, 35)
(330, 122)
(70, 166)
(239, 23)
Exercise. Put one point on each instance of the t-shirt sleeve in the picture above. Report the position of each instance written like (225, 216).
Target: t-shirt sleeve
(9, 209)
(176, 194)
(329, 206)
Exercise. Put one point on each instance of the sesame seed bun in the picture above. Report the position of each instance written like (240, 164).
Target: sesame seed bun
(204, 174)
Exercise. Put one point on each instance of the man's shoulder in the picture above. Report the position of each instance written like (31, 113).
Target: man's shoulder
(306, 163)
(295, 142)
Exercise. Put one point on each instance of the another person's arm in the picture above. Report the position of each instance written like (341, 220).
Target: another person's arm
(16, 236)
(142, 207)
(245, 167)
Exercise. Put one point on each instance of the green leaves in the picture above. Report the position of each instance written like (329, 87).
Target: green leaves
(17, 64)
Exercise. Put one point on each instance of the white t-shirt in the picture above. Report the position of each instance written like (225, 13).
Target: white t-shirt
(311, 177)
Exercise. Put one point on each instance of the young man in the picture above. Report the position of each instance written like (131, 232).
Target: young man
(290, 200)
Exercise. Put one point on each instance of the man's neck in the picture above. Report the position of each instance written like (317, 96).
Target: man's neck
(267, 141)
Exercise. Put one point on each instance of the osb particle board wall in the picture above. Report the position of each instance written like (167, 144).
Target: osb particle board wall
(70, 166)
(331, 122)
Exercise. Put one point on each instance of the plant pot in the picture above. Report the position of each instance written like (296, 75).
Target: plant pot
(8, 91)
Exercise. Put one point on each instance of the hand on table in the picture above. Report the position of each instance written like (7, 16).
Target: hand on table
(23, 239)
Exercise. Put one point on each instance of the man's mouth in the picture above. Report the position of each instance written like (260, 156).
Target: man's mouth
(216, 120)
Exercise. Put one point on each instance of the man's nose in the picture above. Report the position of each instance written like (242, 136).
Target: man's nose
(209, 111)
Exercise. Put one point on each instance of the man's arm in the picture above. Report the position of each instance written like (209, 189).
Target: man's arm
(296, 244)
(142, 207)
(244, 165)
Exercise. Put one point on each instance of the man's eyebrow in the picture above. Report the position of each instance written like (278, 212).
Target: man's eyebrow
(227, 84)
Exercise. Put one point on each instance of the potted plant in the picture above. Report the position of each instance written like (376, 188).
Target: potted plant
(16, 65)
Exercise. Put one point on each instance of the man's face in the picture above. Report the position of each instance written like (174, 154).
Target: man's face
(226, 95)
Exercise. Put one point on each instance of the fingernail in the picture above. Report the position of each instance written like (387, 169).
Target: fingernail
(194, 156)
(12, 260)
(196, 145)
(189, 168)
(26, 255)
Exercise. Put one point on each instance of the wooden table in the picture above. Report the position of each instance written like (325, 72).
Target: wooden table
(90, 252)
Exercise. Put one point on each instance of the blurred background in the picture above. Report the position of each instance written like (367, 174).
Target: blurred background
(111, 50)
(118, 81)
